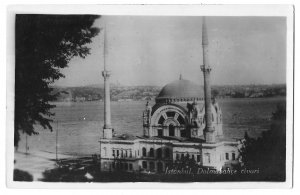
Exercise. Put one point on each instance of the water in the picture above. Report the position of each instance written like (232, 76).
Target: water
(80, 124)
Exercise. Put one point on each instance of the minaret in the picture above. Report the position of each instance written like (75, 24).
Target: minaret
(209, 132)
(107, 129)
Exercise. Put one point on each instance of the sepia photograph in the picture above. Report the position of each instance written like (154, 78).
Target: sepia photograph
(186, 98)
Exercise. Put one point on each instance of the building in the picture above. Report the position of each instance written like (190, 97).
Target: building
(184, 124)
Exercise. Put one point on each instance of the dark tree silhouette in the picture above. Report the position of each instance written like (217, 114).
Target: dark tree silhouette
(45, 44)
(269, 151)
(214, 93)
(20, 175)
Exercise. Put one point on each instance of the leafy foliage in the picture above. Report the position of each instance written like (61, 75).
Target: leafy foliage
(268, 152)
(20, 175)
(45, 44)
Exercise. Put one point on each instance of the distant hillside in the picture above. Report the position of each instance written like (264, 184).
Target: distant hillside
(129, 93)
(79, 93)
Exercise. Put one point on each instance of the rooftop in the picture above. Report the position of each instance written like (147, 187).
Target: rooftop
(180, 90)
(128, 137)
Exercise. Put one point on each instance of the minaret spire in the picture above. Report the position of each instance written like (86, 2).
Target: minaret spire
(104, 47)
(107, 129)
(209, 132)
(204, 32)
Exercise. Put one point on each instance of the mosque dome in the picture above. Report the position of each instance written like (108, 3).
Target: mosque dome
(180, 90)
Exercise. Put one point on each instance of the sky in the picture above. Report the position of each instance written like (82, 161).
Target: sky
(155, 50)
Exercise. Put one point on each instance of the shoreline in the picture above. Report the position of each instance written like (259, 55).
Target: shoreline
(141, 100)
(36, 162)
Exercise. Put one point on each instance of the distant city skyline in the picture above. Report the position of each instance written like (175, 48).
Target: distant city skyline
(155, 50)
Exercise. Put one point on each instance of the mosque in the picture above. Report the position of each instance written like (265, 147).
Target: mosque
(184, 123)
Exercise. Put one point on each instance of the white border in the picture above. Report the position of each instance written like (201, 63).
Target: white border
(183, 10)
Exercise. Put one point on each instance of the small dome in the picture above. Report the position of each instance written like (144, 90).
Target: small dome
(180, 90)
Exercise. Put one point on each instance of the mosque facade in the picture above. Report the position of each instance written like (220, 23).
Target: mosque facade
(185, 123)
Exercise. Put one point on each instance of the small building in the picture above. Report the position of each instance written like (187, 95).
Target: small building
(79, 99)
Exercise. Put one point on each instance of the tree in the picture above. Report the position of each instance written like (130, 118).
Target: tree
(20, 175)
(214, 93)
(44, 45)
(268, 152)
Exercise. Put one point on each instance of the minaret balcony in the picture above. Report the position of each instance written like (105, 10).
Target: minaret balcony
(205, 68)
(106, 74)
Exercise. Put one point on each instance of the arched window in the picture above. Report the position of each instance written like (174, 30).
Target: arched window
(233, 156)
(183, 133)
(105, 152)
(167, 153)
(160, 133)
(159, 153)
(195, 124)
(151, 154)
(159, 167)
(152, 166)
(207, 157)
(171, 130)
(144, 152)
(144, 164)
